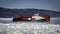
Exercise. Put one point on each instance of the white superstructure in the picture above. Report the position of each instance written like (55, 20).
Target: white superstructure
(37, 17)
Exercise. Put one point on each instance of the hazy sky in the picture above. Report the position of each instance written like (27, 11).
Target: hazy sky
(39, 4)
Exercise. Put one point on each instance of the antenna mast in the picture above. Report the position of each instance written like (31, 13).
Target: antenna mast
(38, 12)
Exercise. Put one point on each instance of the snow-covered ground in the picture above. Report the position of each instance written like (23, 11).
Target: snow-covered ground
(52, 27)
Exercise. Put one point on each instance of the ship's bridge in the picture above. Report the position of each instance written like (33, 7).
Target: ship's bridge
(37, 17)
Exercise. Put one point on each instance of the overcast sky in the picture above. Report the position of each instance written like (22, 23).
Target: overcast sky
(39, 4)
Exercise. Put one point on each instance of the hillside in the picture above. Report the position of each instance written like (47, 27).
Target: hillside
(5, 12)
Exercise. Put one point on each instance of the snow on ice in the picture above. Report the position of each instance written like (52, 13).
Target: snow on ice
(30, 28)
